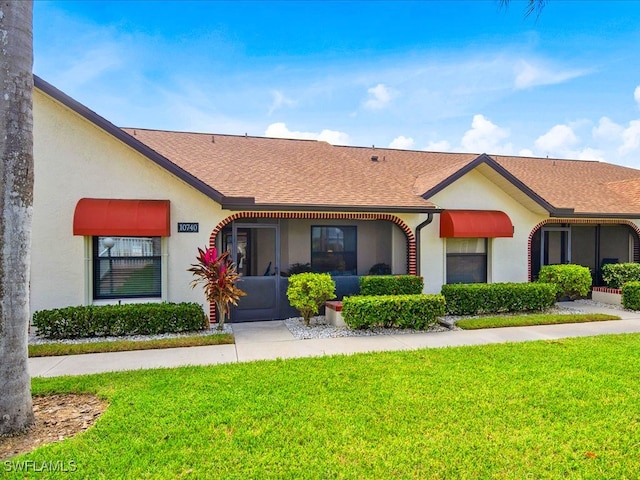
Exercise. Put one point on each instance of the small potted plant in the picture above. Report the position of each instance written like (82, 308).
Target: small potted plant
(218, 275)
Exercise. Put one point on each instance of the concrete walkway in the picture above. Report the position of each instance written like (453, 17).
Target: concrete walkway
(271, 340)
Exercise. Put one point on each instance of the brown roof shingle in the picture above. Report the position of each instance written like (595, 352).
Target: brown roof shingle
(308, 173)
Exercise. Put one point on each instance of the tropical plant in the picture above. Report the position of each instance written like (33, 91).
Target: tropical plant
(16, 192)
(218, 275)
(307, 292)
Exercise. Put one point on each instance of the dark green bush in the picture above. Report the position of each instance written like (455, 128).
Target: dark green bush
(391, 285)
(631, 295)
(572, 281)
(403, 311)
(476, 298)
(296, 268)
(617, 274)
(117, 320)
(380, 269)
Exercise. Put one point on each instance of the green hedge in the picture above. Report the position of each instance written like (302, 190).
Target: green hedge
(631, 295)
(617, 274)
(391, 285)
(476, 298)
(572, 281)
(403, 311)
(116, 320)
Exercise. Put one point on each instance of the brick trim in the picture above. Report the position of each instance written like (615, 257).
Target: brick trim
(575, 221)
(411, 239)
(607, 290)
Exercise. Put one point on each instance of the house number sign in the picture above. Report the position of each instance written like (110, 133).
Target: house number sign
(188, 227)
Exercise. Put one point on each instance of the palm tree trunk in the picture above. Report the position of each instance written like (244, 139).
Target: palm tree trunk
(16, 200)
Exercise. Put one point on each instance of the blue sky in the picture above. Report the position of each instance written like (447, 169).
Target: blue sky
(424, 75)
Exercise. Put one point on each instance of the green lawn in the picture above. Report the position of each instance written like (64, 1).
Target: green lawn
(531, 319)
(542, 410)
(57, 349)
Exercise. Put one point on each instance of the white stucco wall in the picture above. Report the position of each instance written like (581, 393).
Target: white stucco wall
(76, 159)
(507, 257)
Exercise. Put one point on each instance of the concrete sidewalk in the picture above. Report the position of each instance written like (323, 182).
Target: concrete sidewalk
(271, 340)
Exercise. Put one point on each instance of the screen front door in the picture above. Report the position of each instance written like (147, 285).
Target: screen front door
(256, 248)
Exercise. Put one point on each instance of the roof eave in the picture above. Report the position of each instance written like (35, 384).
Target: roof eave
(248, 203)
(571, 214)
(127, 139)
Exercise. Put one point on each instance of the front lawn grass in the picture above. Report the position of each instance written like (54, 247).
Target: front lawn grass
(531, 319)
(57, 349)
(545, 410)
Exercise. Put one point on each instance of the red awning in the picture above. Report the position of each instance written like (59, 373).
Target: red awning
(475, 224)
(138, 218)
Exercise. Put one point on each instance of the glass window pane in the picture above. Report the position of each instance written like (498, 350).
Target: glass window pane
(333, 250)
(466, 260)
(127, 267)
(466, 245)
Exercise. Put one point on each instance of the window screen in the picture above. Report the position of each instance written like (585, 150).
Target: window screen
(126, 267)
(466, 260)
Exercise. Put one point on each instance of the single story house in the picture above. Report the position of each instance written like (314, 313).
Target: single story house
(119, 212)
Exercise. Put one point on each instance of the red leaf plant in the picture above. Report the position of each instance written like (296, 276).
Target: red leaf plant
(218, 275)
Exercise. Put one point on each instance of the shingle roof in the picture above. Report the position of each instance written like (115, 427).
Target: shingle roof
(306, 173)
(281, 172)
(588, 187)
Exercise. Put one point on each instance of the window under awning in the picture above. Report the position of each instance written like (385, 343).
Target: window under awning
(136, 218)
(475, 224)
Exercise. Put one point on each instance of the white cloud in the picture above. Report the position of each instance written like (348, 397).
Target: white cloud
(485, 136)
(529, 75)
(91, 65)
(630, 138)
(279, 101)
(607, 130)
(379, 97)
(439, 146)
(402, 142)
(280, 130)
(557, 141)
(636, 95)
(525, 152)
(589, 153)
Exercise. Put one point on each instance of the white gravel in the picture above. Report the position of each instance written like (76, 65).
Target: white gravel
(319, 328)
(36, 340)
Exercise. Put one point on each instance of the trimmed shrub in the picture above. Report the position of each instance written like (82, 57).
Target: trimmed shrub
(117, 320)
(391, 285)
(631, 295)
(307, 292)
(615, 275)
(403, 311)
(572, 281)
(476, 298)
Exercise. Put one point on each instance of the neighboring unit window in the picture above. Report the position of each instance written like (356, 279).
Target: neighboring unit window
(126, 267)
(466, 260)
(333, 250)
